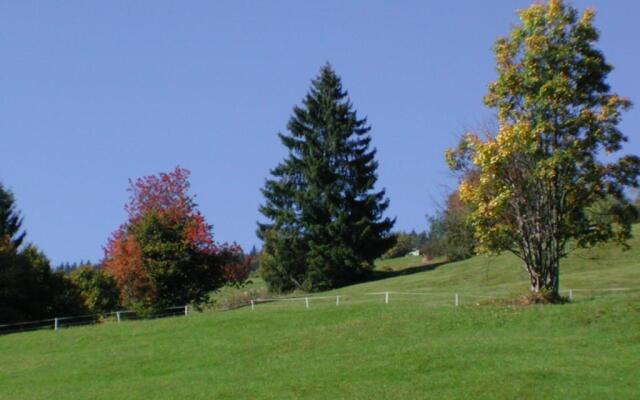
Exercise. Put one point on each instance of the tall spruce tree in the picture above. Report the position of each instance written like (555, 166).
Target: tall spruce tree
(325, 220)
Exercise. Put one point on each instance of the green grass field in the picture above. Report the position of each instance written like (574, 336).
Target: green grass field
(417, 346)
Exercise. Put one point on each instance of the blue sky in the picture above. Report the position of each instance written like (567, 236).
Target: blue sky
(94, 93)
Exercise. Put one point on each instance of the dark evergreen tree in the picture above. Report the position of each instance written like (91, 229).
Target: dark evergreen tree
(29, 289)
(10, 220)
(325, 220)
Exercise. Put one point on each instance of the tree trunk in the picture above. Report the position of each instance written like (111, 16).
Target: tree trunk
(545, 280)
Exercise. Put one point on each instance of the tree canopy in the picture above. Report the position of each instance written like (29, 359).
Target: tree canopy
(165, 255)
(325, 219)
(544, 169)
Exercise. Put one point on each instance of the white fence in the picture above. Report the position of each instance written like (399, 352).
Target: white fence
(424, 297)
(427, 297)
(89, 319)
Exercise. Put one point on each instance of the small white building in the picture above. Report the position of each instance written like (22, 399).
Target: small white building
(414, 252)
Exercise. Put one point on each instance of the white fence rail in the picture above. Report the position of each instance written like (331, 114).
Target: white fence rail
(427, 297)
(434, 297)
(89, 319)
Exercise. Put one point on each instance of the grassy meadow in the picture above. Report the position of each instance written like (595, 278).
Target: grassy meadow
(417, 346)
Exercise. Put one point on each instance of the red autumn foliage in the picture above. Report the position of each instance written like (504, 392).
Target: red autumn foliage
(166, 194)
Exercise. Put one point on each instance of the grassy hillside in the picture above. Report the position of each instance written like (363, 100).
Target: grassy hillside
(409, 348)
(394, 264)
(600, 268)
(587, 272)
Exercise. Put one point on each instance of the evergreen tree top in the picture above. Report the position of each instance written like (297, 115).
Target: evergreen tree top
(10, 219)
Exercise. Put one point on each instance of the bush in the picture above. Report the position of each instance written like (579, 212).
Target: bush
(99, 291)
(402, 246)
(450, 235)
(405, 243)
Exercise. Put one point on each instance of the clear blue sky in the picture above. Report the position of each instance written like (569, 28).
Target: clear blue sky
(94, 93)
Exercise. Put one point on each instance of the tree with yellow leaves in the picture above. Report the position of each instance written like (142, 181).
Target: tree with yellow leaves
(545, 168)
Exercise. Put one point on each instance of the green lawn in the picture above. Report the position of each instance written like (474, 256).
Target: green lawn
(417, 346)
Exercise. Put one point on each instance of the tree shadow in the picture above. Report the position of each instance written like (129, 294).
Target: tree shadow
(377, 275)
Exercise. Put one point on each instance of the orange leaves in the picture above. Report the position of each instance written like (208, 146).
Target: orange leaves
(124, 261)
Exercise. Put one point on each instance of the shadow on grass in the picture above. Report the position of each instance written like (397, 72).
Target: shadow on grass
(377, 275)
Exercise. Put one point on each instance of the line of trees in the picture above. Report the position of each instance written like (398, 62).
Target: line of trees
(163, 255)
(29, 288)
(535, 187)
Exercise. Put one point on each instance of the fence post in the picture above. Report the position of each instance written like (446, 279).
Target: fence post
(386, 297)
(118, 316)
(55, 324)
(306, 302)
(252, 305)
(186, 310)
(337, 300)
(570, 294)
(457, 300)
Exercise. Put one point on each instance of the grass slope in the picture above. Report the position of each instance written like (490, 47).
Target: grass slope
(410, 348)
(394, 264)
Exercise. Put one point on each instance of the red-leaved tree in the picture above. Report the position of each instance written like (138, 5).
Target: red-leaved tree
(165, 253)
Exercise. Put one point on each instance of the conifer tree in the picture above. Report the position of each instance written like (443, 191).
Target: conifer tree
(10, 220)
(325, 219)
